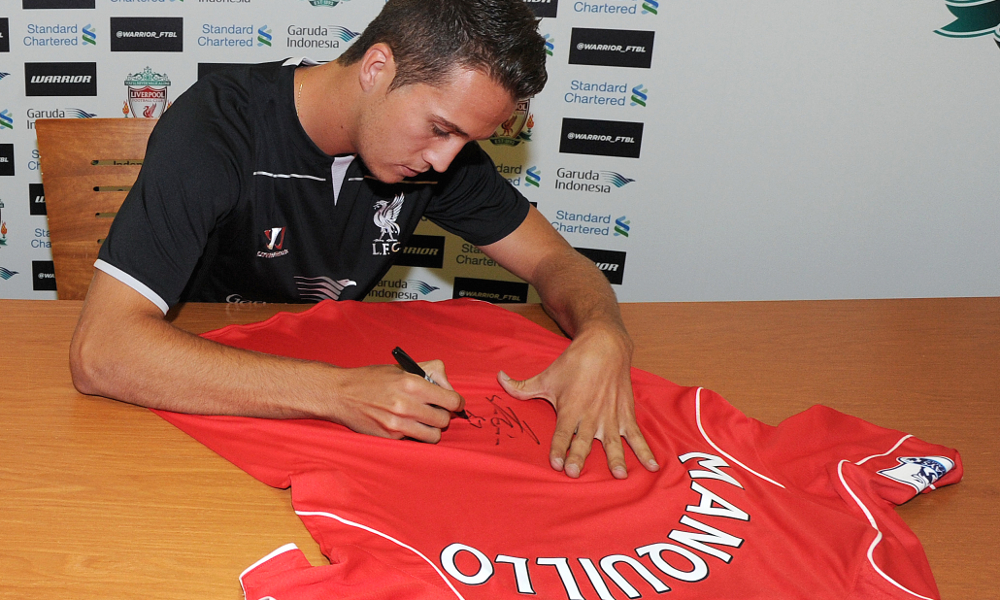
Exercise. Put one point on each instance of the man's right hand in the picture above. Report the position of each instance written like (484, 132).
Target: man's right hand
(123, 348)
(388, 402)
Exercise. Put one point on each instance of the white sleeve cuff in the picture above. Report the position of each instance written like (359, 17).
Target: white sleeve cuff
(133, 283)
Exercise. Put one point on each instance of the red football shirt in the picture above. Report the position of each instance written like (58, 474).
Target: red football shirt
(738, 509)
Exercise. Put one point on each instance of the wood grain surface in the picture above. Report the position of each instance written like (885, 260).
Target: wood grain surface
(100, 499)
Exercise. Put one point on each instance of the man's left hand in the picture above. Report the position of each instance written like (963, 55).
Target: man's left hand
(590, 387)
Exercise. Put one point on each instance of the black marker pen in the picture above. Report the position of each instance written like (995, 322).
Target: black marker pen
(410, 366)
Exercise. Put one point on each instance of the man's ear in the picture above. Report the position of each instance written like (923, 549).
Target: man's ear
(377, 68)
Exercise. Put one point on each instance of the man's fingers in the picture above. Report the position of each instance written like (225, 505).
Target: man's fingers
(561, 440)
(616, 456)
(435, 370)
(440, 394)
(578, 452)
(637, 442)
(522, 389)
(423, 433)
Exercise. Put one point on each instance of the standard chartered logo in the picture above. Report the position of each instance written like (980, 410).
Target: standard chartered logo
(591, 224)
(550, 47)
(533, 177)
(639, 96)
(59, 35)
(605, 93)
(6, 119)
(264, 36)
(649, 7)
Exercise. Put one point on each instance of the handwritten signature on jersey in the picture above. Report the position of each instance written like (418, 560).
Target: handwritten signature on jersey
(504, 422)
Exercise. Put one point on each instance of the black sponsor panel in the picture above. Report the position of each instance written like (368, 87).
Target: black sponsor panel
(491, 290)
(30, 4)
(4, 34)
(610, 262)
(603, 138)
(60, 79)
(611, 47)
(36, 199)
(422, 251)
(6, 160)
(147, 34)
(43, 276)
(209, 68)
(543, 8)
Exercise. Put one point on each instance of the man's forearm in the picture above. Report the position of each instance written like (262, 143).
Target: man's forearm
(123, 349)
(578, 296)
(144, 360)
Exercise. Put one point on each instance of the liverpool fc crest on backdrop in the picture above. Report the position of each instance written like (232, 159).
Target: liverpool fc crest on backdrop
(147, 94)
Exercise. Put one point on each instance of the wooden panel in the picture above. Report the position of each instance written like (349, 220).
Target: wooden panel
(77, 157)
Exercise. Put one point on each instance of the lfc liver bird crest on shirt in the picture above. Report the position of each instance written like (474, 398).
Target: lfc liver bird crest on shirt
(386, 213)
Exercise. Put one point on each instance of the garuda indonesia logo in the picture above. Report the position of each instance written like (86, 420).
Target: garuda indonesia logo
(516, 129)
(329, 3)
(973, 18)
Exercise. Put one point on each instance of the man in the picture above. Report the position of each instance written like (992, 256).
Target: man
(335, 164)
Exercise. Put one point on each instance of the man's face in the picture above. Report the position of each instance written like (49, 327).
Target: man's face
(419, 127)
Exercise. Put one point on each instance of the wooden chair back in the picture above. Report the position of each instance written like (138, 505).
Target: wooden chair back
(88, 166)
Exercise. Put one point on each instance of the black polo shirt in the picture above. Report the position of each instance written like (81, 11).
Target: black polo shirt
(234, 202)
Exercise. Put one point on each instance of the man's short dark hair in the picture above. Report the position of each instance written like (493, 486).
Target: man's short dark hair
(431, 38)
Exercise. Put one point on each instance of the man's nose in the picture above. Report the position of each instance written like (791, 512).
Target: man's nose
(440, 154)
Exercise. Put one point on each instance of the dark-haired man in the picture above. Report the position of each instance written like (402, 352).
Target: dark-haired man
(324, 160)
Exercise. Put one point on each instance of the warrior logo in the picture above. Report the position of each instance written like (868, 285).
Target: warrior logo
(321, 288)
(275, 237)
(919, 472)
(516, 129)
(147, 94)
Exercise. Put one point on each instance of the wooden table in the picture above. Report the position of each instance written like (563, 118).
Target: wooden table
(99, 499)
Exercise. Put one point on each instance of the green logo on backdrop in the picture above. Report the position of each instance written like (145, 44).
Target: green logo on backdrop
(973, 18)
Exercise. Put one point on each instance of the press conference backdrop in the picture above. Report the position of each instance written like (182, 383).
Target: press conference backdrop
(712, 150)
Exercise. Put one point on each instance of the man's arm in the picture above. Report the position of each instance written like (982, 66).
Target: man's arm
(590, 384)
(123, 348)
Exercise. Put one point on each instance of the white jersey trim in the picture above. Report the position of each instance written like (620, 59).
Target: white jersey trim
(886, 453)
(385, 536)
(301, 61)
(701, 428)
(338, 170)
(289, 176)
(279, 551)
(874, 525)
(133, 283)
